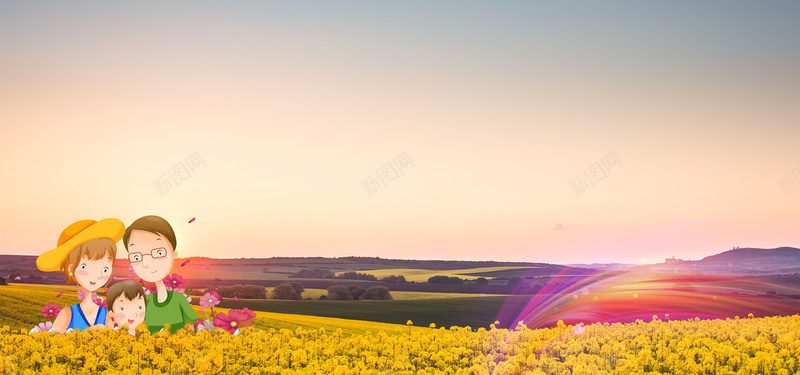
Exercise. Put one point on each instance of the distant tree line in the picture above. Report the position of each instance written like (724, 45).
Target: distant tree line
(239, 291)
(322, 273)
(440, 279)
(313, 273)
(288, 291)
(394, 279)
(352, 275)
(355, 292)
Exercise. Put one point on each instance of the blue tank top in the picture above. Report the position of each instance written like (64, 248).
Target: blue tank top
(79, 321)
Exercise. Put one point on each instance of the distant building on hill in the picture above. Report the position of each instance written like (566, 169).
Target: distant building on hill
(673, 261)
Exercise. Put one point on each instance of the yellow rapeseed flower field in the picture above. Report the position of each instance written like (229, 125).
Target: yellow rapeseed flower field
(736, 346)
(298, 344)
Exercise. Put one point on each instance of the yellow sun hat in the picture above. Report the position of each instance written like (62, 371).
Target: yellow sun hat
(77, 233)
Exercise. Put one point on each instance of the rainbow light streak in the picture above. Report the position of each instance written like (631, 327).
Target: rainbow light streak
(624, 296)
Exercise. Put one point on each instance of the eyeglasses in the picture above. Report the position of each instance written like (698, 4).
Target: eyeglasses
(155, 253)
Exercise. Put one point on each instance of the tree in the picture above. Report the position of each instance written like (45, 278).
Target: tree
(481, 281)
(298, 288)
(377, 293)
(284, 291)
(355, 291)
(390, 279)
(253, 291)
(394, 279)
(514, 280)
(240, 291)
(224, 291)
(339, 292)
(312, 273)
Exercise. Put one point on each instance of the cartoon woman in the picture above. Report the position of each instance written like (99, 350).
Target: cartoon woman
(85, 253)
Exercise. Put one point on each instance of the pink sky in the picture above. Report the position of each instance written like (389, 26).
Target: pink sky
(292, 109)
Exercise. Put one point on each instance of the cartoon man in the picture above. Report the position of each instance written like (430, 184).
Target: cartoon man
(151, 244)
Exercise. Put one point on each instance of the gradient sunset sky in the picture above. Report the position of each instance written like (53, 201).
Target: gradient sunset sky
(500, 106)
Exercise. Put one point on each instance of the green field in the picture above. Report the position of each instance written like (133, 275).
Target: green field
(20, 304)
(459, 311)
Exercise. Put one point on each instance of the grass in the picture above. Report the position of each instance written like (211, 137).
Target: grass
(20, 304)
(422, 275)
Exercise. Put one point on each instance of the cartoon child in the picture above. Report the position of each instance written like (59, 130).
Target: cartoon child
(85, 252)
(151, 243)
(126, 302)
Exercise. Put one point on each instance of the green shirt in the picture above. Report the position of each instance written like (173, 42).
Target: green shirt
(176, 311)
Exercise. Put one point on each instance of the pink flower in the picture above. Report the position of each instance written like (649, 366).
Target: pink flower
(50, 310)
(99, 301)
(81, 294)
(247, 315)
(42, 327)
(174, 281)
(203, 324)
(229, 323)
(210, 299)
(45, 326)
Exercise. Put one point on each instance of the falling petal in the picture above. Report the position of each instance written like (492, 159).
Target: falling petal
(236, 298)
(191, 220)
(185, 262)
(59, 294)
(206, 267)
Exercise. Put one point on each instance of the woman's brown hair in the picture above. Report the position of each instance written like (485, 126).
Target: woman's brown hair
(93, 250)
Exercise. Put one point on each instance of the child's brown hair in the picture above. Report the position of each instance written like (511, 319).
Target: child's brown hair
(129, 288)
